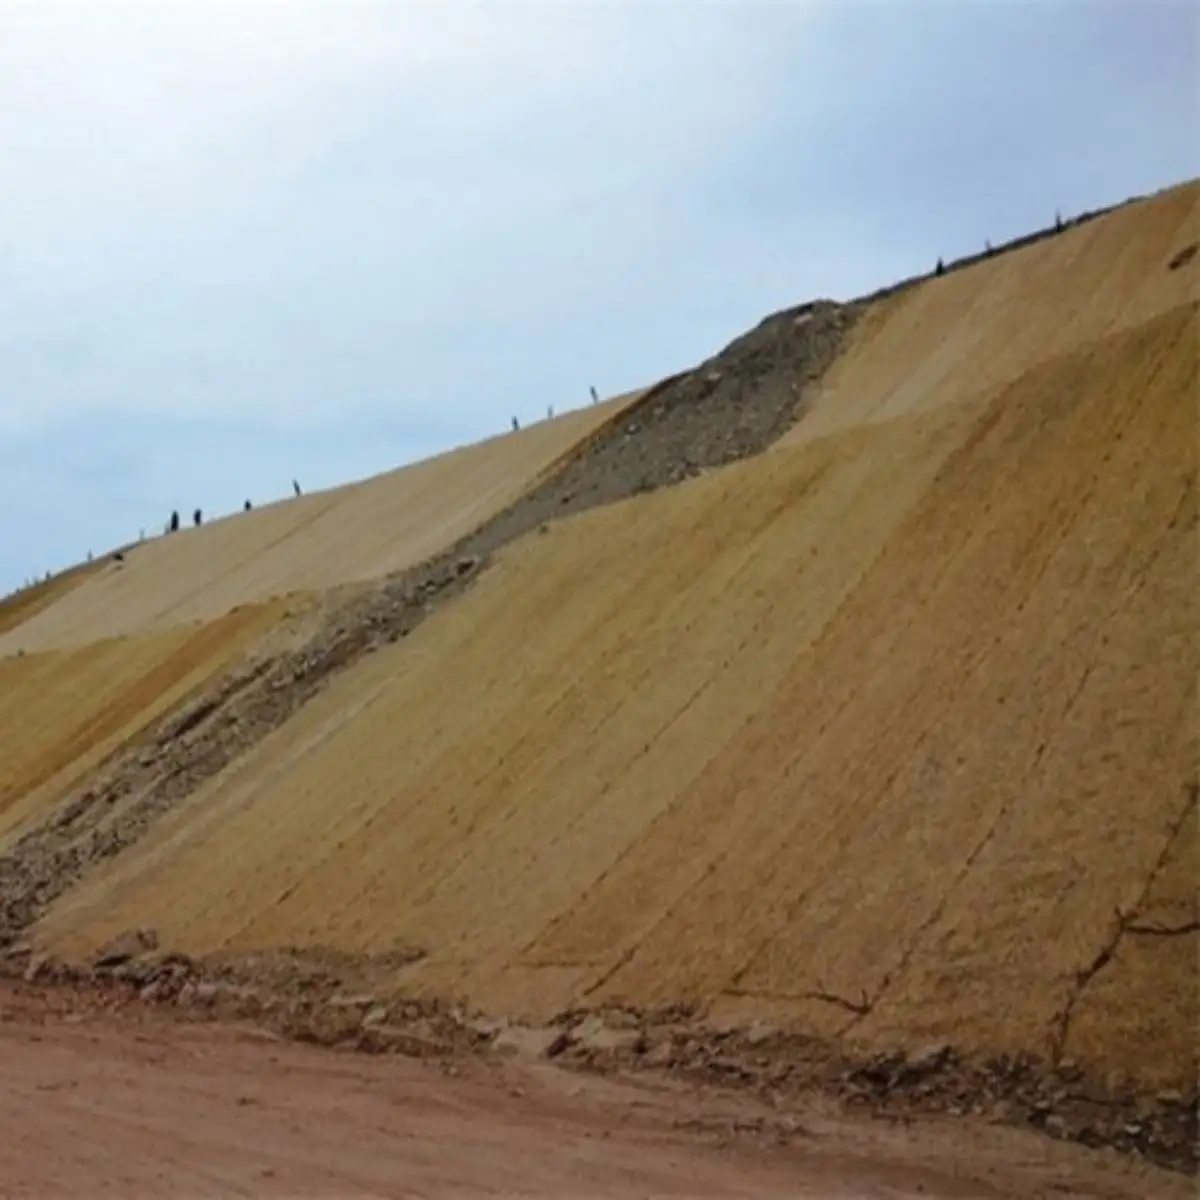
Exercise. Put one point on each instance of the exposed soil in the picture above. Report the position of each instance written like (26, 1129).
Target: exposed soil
(330, 999)
(1018, 243)
(732, 406)
(106, 1102)
(25, 602)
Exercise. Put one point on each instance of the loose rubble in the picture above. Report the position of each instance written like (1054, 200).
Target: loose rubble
(318, 997)
(728, 408)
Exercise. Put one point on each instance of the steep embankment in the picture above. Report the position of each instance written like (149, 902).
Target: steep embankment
(977, 330)
(63, 711)
(95, 656)
(739, 401)
(347, 535)
(888, 734)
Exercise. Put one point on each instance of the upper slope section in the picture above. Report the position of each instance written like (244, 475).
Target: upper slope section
(890, 733)
(974, 331)
(19, 606)
(347, 535)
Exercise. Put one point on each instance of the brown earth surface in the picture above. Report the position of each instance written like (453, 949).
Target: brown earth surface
(880, 742)
(344, 1001)
(972, 334)
(125, 1103)
(971, 582)
(26, 602)
(734, 406)
(64, 711)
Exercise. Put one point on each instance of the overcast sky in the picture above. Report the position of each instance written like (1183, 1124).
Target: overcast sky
(241, 242)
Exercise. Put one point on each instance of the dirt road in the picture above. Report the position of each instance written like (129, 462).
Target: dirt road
(140, 1105)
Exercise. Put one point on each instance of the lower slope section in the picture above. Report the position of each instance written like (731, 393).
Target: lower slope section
(889, 734)
(62, 712)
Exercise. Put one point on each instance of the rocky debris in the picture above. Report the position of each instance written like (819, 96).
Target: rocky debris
(273, 994)
(396, 1039)
(151, 775)
(34, 968)
(364, 1003)
(928, 1059)
(487, 1027)
(729, 407)
(525, 1042)
(306, 1000)
(1061, 1100)
(125, 946)
(598, 1039)
(760, 1034)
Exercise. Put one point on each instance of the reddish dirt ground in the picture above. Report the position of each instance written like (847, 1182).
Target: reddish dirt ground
(125, 1104)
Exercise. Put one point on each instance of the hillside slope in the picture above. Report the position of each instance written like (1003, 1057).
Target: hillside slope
(975, 331)
(889, 733)
(347, 535)
(64, 711)
(20, 605)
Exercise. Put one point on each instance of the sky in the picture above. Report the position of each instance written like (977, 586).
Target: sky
(246, 242)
